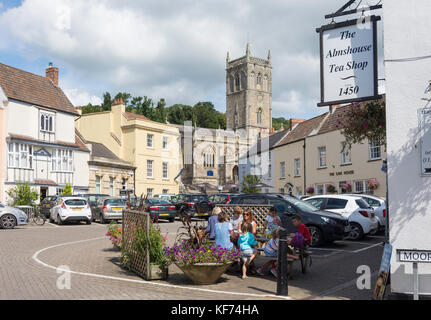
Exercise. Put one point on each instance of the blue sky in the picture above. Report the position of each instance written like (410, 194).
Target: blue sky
(164, 49)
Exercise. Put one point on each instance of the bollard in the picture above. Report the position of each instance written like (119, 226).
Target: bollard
(282, 284)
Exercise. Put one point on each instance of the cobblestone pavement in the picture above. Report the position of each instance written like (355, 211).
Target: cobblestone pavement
(29, 257)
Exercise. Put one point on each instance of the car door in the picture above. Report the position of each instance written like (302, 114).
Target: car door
(316, 202)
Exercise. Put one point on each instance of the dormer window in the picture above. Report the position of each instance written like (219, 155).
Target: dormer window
(46, 122)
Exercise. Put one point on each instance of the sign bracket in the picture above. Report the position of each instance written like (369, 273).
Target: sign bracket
(341, 12)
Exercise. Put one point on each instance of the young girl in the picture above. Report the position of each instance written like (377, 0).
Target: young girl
(235, 221)
(272, 221)
(270, 250)
(223, 232)
(246, 242)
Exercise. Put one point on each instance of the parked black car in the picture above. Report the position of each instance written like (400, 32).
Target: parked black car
(324, 226)
(46, 205)
(193, 205)
(161, 209)
(222, 198)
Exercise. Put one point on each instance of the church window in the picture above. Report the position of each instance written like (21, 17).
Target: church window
(231, 84)
(237, 83)
(208, 160)
(259, 116)
(243, 80)
(259, 79)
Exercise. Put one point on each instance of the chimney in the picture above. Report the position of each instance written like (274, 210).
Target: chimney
(332, 108)
(78, 110)
(118, 101)
(52, 73)
(293, 122)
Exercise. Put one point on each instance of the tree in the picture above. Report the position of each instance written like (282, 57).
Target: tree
(221, 117)
(277, 122)
(67, 191)
(248, 183)
(107, 102)
(206, 115)
(23, 195)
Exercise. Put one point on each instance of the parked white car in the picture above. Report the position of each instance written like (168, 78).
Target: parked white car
(11, 217)
(379, 206)
(67, 209)
(361, 216)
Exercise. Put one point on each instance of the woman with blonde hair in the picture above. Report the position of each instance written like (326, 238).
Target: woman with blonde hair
(211, 223)
(247, 216)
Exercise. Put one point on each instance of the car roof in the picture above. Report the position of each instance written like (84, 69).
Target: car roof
(336, 196)
(367, 196)
(73, 197)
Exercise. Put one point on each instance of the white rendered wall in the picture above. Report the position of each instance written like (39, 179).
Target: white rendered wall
(407, 33)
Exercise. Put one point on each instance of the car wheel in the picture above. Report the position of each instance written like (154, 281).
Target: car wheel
(51, 220)
(171, 220)
(88, 222)
(316, 236)
(356, 233)
(59, 222)
(7, 221)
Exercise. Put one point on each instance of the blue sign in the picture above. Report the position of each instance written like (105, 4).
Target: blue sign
(210, 173)
(380, 288)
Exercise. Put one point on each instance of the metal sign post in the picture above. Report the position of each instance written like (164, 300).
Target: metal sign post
(414, 256)
(282, 279)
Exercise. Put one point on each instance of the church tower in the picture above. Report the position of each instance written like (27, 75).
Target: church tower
(249, 93)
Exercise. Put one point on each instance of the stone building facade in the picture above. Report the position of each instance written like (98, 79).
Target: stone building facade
(212, 155)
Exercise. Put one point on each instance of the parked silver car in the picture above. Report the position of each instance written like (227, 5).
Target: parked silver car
(11, 217)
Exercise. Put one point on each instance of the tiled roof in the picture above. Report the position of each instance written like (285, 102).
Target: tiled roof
(45, 182)
(303, 129)
(131, 116)
(272, 141)
(34, 89)
(331, 122)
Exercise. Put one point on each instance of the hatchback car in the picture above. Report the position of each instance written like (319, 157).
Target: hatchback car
(92, 197)
(361, 216)
(379, 206)
(193, 205)
(161, 209)
(323, 226)
(11, 217)
(46, 205)
(108, 209)
(222, 198)
(71, 208)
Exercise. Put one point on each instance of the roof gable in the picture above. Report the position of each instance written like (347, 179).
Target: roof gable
(34, 89)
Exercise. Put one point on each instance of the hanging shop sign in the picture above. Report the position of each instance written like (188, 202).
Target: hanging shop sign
(348, 61)
(425, 141)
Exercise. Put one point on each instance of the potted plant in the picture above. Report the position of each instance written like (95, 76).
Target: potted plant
(331, 188)
(202, 261)
(373, 184)
(115, 234)
(155, 242)
(347, 187)
(310, 190)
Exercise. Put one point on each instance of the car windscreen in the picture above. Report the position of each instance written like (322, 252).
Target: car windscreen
(115, 202)
(300, 204)
(76, 202)
(198, 198)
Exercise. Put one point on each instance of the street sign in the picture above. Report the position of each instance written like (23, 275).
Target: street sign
(414, 256)
(419, 256)
(425, 141)
(348, 61)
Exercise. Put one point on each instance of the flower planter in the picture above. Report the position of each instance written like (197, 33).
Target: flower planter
(205, 273)
(156, 272)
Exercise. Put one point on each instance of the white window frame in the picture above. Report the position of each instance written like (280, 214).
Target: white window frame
(62, 160)
(45, 125)
(165, 168)
(297, 167)
(282, 170)
(111, 186)
(20, 155)
(98, 184)
(165, 143)
(150, 140)
(322, 156)
(374, 149)
(346, 157)
(150, 168)
(150, 192)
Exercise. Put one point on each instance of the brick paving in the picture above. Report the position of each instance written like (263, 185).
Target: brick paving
(21, 277)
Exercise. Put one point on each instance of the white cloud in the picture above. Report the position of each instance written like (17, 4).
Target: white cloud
(171, 49)
(81, 98)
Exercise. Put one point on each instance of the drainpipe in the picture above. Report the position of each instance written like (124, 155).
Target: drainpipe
(305, 177)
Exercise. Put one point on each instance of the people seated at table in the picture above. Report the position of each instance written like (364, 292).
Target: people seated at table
(235, 221)
(270, 250)
(303, 233)
(210, 230)
(223, 232)
(272, 221)
(247, 216)
(246, 243)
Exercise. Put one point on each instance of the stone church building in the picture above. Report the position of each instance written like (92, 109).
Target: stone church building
(213, 155)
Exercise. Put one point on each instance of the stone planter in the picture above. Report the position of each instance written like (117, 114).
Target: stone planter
(156, 272)
(205, 273)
